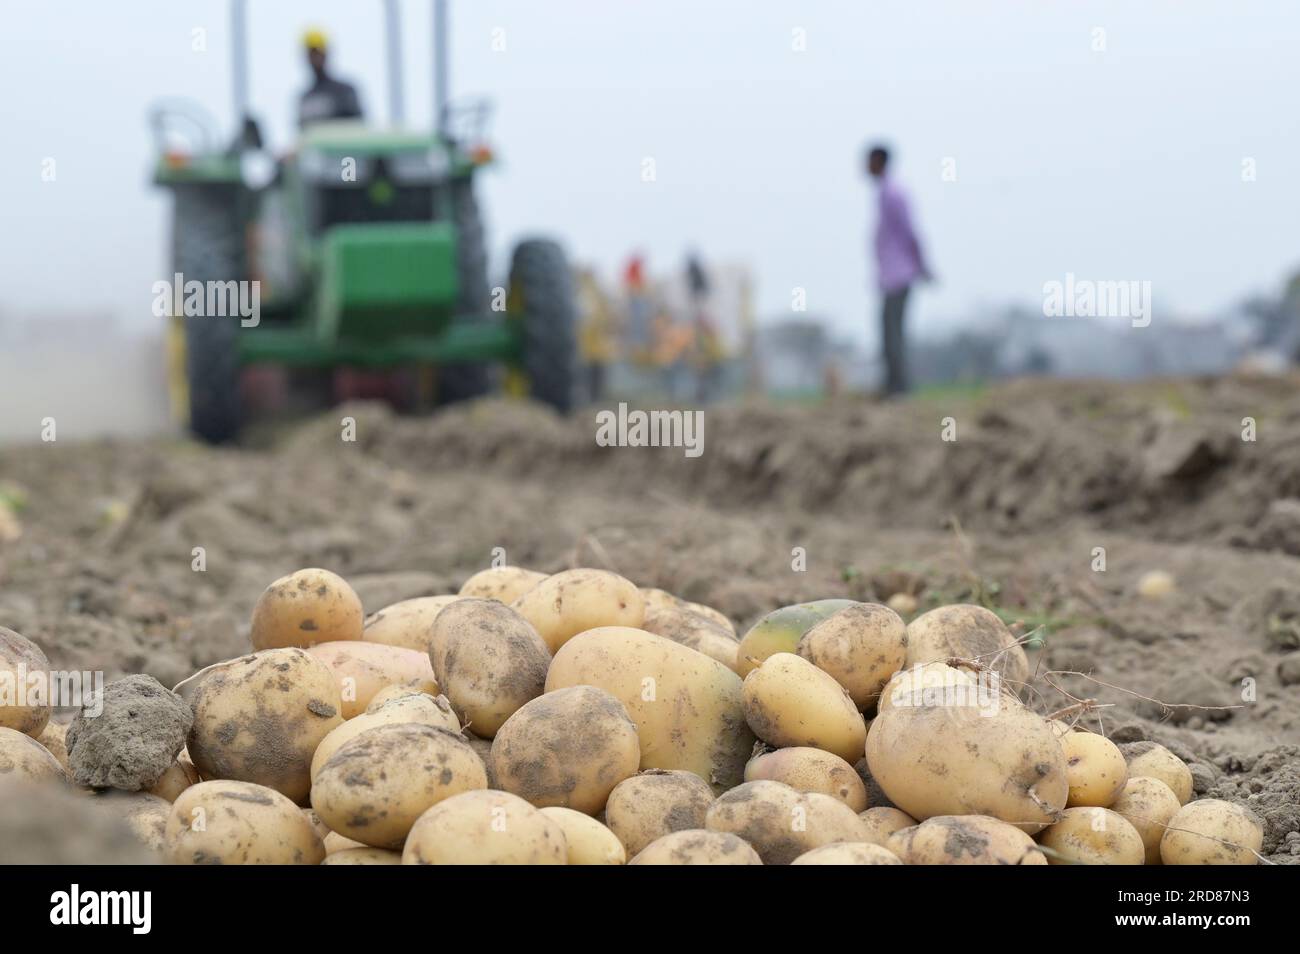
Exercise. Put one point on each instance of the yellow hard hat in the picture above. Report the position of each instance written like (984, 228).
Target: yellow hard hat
(315, 39)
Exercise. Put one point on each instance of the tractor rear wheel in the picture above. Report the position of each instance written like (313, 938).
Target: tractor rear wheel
(463, 382)
(542, 296)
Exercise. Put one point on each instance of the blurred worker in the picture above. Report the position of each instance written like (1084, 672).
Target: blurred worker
(706, 343)
(327, 98)
(596, 334)
(900, 263)
(640, 311)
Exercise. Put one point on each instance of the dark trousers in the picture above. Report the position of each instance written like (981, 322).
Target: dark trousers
(891, 335)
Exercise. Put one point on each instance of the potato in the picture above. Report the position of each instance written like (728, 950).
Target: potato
(334, 842)
(848, 853)
(375, 786)
(904, 604)
(239, 823)
(1002, 761)
(305, 608)
(146, 815)
(23, 757)
(569, 747)
(363, 856)
(179, 776)
(361, 669)
(568, 603)
(687, 707)
(1147, 804)
(655, 803)
(55, 739)
(780, 631)
(485, 828)
(488, 660)
(789, 701)
(663, 600)
(1092, 836)
(861, 646)
(782, 823)
(389, 693)
(883, 821)
(412, 707)
(967, 632)
(588, 842)
(1212, 832)
(695, 631)
(321, 829)
(1094, 769)
(927, 684)
(964, 840)
(713, 615)
(810, 770)
(503, 583)
(1151, 760)
(24, 684)
(408, 624)
(483, 749)
(696, 847)
(259, 718)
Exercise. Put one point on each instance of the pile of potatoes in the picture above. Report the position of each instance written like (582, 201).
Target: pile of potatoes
(577, 718)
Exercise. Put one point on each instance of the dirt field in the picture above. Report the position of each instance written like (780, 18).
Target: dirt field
(1009, 514)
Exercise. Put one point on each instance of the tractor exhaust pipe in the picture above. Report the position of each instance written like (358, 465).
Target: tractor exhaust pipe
(393, 28)
(239, 61)
(441, 67)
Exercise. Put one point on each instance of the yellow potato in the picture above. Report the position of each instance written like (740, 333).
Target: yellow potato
(860, 646)
(789, 701)
(259, 718)
(179, 776)
(24, 684)
(588, 841)
(55, 739)
(693, 846)
(1092, 836)
(654, 803)
(663, 600)
(376, 785)
(363, 856)
(321, 829)
(305, 608)
(1147, 804)
(571, 602)
(967, 632)
(412, 707)
(504, 583)
(883, 821)
(146, 815)
(780, 631)
(1094, 768)
(389, 693)
(1151, 760)
(361, 669)
(848, 853)
(485, 828)
(695, 631)
(408, 624)
(686, 706)
(239, 823)
(334, 843)
(781, 823)
(964, 840)
(927, 684)
(1212, 832)
(810, 770)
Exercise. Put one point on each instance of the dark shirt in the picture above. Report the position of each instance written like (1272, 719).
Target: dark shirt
(328, 98)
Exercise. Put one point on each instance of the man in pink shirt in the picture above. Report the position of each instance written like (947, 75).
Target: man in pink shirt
(899, 264)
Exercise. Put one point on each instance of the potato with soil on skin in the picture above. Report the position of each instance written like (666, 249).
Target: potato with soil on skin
(1092, 836)
(1003, 761)
(241, 824)
(1094, 769)
(663, 600)
(782, 823)
(655, 803)
(687, 707)
(574, 601)
(1212, 832)
(693, 631)
(259, 719)
(408, 624)
(964, 840)
(376, 785)
(861, 646)
(810, 770)
(179, 776)
(503, 583)
(1147, 804)
(485, 828)
(334, 842)
(883, 821)
(926, 684)
(364, 856)
(362, 669)
(488, 660)
(55, 739)
(790, 702)
(848, 853)
(22, 757)
(588, 842)
(146, 815)
(780, 631)
(569, 747)
(412, 707)
(1152, 760)
(305, 608)
(25, 677)
(966, 631)
(695, 846)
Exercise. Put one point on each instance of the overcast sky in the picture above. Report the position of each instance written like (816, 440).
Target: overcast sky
(1121, 163)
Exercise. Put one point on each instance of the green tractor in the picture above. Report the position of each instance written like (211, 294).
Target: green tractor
(366, 253)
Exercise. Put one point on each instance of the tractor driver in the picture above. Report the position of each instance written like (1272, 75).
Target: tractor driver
(328, 98)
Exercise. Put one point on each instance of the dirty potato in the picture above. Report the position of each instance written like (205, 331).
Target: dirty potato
(239, 823)
(485, 828)
(1212, 832)
(259, 718)
(363, 856)
(1147, 804)
(146, 815)
(23, 757)
(694, 846)
(663, 600)
(810, 770)
(1092, 836)
(789, 701)
(655, 803)
(694, 631)
(848, 853)
(588, 841)
(488, 660)
(408, 624)
(376, 785)
(412, 707)
(1094, 768)
(179, 776)
(1152, 760)
(883, 821)
(782, 823)
(304, 608)
(569, 747)
(966, 631)
(24, 678)
(573, 601)
(361, 669)
(503, 583)
(55, 739)
(926, 684)
(964, 840)
(780, 631)
(860, 646)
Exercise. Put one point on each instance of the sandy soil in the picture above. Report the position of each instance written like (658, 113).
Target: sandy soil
(1010, 514)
